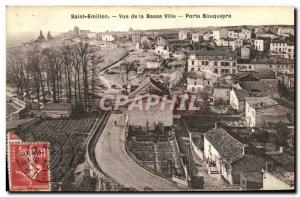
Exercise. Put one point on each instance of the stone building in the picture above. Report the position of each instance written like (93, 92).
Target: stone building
(263, 81)
(283, 49)
(184, 35)
(228, 157)
(197, 82)
(217, 61)
(237, 99)
(261, 111)
(155, 114)
(278, 65)
(107, 37)
(57, 110)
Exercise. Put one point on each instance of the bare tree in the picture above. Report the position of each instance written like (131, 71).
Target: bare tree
(125, 69)
(53, 67)
(77, 68)
(36, 69)
(67, 54)
(83, 52)
(94, 61)
(16, 72)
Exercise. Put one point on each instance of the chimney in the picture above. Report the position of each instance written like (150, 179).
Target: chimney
(245, 149)
(217, 125)
(281, 149)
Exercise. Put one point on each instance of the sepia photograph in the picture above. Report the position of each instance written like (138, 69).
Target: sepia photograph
(150, 99)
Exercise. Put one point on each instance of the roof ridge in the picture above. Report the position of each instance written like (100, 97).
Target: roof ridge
(227, 133)
(234, 137)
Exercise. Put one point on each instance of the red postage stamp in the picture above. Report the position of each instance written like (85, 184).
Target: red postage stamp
(29, 166)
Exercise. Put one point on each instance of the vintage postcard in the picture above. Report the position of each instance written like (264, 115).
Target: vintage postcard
(150, 99)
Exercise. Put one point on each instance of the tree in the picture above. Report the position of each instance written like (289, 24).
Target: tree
(83, 53)
(53, 63)
(94, 61)
(41, 36)
(36, 70)
(16, 72)
(58, 70)
(125, 69)
(77, 67)
(49, 37)
(67, 55)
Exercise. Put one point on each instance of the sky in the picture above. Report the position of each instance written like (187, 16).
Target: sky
(58, 19)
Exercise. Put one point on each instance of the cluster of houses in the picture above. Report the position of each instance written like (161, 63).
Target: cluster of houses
(226, 50)
(239, 68)
(244, 164)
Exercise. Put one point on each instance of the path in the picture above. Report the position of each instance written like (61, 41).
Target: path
(114, 161)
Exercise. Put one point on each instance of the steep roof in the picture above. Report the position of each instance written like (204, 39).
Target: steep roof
(256, 76)
(248, 76)
(151, 86)
(241, 94)
(228, 147)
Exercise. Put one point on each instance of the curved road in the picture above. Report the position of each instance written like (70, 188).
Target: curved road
(114, 161)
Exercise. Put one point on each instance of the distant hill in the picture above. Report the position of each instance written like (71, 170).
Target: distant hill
(16, 39)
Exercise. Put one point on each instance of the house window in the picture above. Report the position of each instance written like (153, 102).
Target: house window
(216, 70)
(215, 63)
(224, 63)
(205, 63)
(193, 62)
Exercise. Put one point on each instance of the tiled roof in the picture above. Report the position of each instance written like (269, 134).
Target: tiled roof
(58, 106)
(260, 102)
(266, 74)
(241, 94)
(148, 82)
(228, 147)
(272, 61)
(285, 176)
(286, 160)
(253, 75)
(216, 52)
